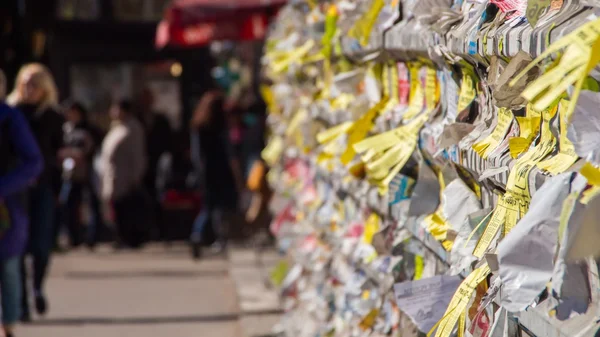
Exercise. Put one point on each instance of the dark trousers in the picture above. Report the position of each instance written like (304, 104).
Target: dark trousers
(71, 197)
(133, 217)
(42, 206)
(212, 216)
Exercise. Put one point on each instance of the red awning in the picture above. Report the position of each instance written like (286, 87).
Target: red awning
(194, 23)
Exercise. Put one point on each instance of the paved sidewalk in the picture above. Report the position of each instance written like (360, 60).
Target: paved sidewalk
(153, 292)
(257, 299)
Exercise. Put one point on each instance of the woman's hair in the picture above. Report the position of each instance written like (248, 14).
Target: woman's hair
(46, 81)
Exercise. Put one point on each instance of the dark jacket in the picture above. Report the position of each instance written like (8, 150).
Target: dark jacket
(82, 139)
(46, 126)
(16, 173)
(159, 138)
(211, 149)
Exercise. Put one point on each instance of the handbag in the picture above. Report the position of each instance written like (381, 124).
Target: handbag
(255, 178)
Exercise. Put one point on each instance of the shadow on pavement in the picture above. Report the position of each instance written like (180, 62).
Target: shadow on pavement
(148, 320)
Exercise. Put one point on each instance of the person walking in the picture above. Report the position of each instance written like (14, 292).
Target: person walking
(159, 141)
(81, 143)
(20, 163)
(123, 161)
(219, 170)
(35, 95)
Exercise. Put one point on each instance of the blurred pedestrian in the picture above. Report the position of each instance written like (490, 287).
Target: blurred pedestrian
(253, 141)
(123, 162)
(81, 141)
(20, 163)
(159, 141)
(36, 96)
(257, 215)
(212, 156)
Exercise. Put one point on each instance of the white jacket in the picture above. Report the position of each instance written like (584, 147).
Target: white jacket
(123, 159)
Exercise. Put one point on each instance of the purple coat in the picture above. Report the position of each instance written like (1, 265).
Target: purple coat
(30, 165)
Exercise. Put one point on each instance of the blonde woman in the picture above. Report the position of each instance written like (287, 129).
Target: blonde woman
(36, 96)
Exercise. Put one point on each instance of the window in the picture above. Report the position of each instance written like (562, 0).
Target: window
(139, 10)
(79, 9)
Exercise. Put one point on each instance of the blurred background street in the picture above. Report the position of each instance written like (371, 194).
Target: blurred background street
(130, 141)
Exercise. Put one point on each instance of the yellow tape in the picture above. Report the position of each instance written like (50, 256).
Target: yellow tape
(419, 265)
(361, 30)
(299, 116)
(529, 128)
(459, 302)
(485, 147)
(515, 202)
(359, 130)
(491, 230)
(271, 153)
(591, 173)
(467, 89)
(297, 54)
(581, 55)
(589, 194)
(431, 90)
(567, 155)
(333, 132)
(268, 97)
(416, 96)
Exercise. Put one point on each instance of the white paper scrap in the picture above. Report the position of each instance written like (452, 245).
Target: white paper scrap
(584, 126)
(425, 301)
(526, 254)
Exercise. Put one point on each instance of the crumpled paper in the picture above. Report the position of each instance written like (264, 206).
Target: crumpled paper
(584, 127)
(458, 201)
(426, 195)
(510, 96)
(526, 254)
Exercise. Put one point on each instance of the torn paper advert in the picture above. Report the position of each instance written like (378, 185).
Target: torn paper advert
(570, 286)
(526, 254)
(584, 128)
(503, 325)
(461, 255)
(458, 201)
(583, 233)
(426, 300)
(510, 96)
(426, 193)
(453, 134)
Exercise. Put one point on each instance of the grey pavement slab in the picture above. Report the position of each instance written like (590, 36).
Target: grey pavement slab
(153, 292)
(158, 291)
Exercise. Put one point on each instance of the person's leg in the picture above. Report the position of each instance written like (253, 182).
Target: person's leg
(10, 288)
(96, 223)
(35, 234)
(25, 315)
(73, 215)
(42, 218)
(119, 208)
(143, 217)
(62, 213)
(197, 231)
(198, 227)
(126, 209)
(219, 220)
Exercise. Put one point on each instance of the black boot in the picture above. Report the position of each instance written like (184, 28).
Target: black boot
(196, 250)
(41, 305)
